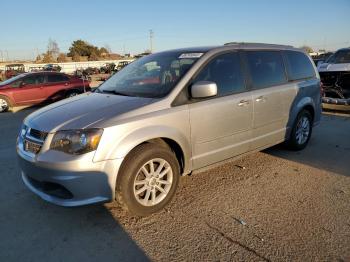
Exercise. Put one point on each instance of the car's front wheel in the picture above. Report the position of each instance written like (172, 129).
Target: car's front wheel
(4, 104)
(148, 179)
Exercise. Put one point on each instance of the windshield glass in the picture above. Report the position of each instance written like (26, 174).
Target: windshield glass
(9, 81)
(339, 57)
(151, 76)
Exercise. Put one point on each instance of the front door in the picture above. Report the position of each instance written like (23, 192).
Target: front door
(29, 90)
(221, 126)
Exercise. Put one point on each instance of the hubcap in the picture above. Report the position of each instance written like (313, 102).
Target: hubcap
(3, 105)
(303, 130)
(153, 182)
(72, 94)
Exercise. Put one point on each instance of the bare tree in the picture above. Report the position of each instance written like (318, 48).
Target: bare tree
(53, 49)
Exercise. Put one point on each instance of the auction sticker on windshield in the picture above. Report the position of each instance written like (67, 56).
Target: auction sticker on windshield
(191, 55)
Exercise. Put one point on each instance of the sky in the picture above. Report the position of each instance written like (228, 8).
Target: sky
(124, 26)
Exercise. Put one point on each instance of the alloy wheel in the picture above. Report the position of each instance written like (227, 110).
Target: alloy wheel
(303, 130)
(3, 105)
(153, 182)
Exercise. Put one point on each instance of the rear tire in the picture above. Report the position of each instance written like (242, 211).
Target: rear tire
(72, 93)
(301, 131)
(148, 179)
(4, 104)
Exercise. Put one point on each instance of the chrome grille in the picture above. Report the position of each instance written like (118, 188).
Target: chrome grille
(33, 140)
(38, 134)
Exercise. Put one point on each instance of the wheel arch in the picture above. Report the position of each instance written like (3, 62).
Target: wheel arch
(160, 135)
(11, 103)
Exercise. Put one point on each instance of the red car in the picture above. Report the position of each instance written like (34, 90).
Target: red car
(39, 87)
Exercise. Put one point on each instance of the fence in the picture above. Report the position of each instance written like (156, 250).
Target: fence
(70, 67)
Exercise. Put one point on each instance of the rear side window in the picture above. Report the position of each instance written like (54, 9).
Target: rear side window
(52, 78)
(225, 70)
(34, 79)
(266, 68)
(298, 65)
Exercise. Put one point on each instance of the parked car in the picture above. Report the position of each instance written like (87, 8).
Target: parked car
(12, 70)
(107, 68)
(121, 65)
(36, 69)
(132, 139)
(335, 76)
(39, 87)
(321, 58)
(52, 67)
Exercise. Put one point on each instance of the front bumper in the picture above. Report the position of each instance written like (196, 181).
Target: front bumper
(75, 182)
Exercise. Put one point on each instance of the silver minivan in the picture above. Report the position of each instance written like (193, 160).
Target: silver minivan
(166, 115)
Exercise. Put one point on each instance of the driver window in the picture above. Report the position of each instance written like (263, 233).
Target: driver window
(225, 70)
(30, 80)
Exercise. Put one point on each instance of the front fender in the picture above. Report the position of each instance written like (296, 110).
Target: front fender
(120, 147)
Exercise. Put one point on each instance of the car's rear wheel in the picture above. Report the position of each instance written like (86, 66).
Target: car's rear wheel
(4, 104)
(301, 131)
(72, 93)
(148, 179)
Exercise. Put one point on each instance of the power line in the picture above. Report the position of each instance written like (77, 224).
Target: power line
(151, 35)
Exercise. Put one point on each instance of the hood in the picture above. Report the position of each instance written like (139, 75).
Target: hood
(325, 67)
(83, 111)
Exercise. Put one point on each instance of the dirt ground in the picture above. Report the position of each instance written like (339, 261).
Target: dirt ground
(274, 205)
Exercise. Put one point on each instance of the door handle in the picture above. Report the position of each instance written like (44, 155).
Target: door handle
(65, 84)
(243, 103)
(260, 99)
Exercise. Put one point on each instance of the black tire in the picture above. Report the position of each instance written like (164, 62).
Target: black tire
(6, 108)
(293, 143)
(72, 93)
(130, 168)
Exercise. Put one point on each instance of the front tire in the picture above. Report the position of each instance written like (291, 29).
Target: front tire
(301, 131)
(148, 179)
(4, 104)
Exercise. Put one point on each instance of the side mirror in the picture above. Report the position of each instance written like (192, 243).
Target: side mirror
(22, 84)
(204, 89)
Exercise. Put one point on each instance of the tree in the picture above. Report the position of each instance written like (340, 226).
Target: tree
(53, 49)
(61, 58)
(307, 49)
(76, 58)
(83, 48)
(47, 58)
(104, 50)
(93, 56)
(38, 58)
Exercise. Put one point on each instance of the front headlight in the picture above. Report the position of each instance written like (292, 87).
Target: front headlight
(76, 142)
(23, 130)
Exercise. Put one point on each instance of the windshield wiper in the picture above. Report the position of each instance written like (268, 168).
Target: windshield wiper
(112, 92)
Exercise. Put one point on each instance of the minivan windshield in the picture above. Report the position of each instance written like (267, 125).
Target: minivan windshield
(339, 57)
(152, 76)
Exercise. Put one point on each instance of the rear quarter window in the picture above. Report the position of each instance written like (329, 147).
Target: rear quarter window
(298, 65)
(266, 68)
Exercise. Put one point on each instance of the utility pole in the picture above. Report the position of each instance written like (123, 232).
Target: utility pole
(151, 35)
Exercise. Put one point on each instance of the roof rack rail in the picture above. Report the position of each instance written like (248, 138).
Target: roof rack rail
(251, 43)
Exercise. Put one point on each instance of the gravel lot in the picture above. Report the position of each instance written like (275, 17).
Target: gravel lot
(274, 205)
